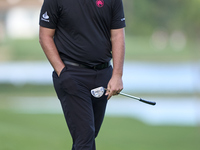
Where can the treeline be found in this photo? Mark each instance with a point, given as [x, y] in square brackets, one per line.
[144, 16]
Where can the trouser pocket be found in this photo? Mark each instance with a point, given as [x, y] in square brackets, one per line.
[64, 82]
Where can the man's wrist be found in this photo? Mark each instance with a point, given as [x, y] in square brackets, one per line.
[59, 70]
[117, 74]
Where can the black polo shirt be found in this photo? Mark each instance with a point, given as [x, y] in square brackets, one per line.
[83, 27]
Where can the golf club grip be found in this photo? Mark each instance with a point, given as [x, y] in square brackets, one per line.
[137, 98]
[147, 102]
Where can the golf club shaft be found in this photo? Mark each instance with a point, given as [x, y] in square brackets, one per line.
[137, 98]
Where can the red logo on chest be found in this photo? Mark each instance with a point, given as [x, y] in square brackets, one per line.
[99, 3]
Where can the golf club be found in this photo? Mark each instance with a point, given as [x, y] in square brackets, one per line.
[98, 92]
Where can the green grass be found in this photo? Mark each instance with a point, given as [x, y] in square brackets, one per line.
[21, 131]
[140, 49]
[49, 131]
[127, 133]
[26, 90]
[31, 132]
[23, 49]
[137, 49]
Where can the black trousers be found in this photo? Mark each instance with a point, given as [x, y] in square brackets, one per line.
[83, 113]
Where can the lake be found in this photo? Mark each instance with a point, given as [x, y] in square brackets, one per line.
[179, 78]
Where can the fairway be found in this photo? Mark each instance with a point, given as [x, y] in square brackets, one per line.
[26, 131]
[48, 131]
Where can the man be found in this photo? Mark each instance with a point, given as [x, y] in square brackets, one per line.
[79, 38]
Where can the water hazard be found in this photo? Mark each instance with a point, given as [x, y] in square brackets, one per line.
[138, 78]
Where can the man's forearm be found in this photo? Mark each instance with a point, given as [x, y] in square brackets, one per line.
[50, 50]
[115, 84]
[118, 51]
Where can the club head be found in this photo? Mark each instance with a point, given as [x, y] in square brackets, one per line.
[98, 92]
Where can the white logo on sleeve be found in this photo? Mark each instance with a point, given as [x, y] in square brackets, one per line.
[123, 19]
[45, 17]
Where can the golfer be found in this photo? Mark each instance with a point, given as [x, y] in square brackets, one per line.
[79, 38]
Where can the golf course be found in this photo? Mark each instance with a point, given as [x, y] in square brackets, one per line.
[20, 130]
[162, 64]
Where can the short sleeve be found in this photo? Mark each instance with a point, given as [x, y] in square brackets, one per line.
[49, 14]
[118, 19]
